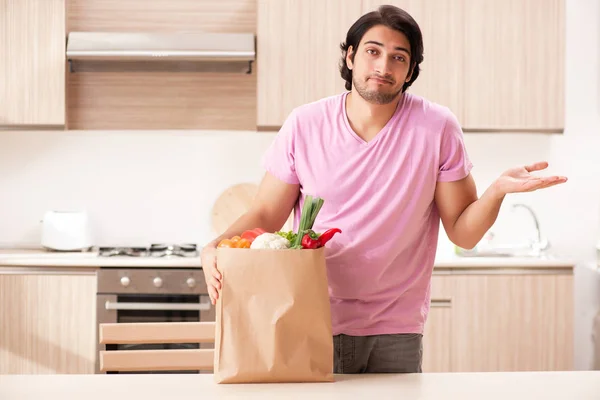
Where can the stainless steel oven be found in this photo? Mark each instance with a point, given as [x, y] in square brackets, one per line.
[152, 295]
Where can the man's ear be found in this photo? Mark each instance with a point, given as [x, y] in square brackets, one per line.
[349, 53]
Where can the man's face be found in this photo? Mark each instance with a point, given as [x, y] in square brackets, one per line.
[381, 64]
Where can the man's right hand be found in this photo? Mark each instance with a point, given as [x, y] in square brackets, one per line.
[212, 276]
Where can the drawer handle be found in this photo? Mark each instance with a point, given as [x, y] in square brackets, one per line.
[158, 306]
[439, 303]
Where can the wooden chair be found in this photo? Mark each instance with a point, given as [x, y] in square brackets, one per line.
[157, 360]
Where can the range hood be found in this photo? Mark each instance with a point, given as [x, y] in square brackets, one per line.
[165, 47]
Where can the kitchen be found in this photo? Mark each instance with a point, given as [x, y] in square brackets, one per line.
[147, 154]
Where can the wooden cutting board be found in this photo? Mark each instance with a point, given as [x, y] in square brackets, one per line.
[232, 204]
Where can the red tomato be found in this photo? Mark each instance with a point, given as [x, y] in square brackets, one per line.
[250, 235]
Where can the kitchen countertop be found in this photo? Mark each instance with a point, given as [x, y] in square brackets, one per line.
[580, 385]
[32, 257]
[45, 258]
[503, 262]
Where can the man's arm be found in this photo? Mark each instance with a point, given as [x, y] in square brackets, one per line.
[271, 208]
[467, 218]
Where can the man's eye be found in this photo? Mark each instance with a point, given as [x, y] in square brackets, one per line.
[400, 58]
[371, 51]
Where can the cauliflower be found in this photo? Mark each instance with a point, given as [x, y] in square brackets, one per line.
[270, 241]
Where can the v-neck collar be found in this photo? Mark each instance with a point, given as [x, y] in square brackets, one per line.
[383, 130]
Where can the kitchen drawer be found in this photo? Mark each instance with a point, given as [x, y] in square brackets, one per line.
[441, 288]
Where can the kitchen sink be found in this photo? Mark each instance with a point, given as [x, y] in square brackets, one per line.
[536, 248]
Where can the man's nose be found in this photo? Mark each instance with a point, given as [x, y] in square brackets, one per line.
[383, 66]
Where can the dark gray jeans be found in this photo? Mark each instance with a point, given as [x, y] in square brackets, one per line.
[397, 353]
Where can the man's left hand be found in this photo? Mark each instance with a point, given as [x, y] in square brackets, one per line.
[520, 179]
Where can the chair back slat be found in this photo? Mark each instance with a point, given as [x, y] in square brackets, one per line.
[159, 332]
[157, 360]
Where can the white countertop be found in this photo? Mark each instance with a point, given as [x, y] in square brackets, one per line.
[579, 385]
[43, 258]
[503, 262]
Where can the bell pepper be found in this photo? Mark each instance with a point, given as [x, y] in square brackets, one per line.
[243, 244]
[312, 242]
[327, 235]
[309, 243]
[226, 243]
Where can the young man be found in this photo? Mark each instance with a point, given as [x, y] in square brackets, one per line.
[389, 165]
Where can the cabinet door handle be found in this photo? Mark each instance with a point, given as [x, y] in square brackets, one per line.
[438, 303]
[157, 306]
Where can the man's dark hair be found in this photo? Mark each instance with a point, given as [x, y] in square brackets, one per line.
[394, 18]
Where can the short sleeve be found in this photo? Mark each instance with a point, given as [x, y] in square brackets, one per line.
[279, 159]
[454, 160]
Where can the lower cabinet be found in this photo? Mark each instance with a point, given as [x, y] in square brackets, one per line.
[47, 322]
[521, 321]
[437, 338]
[478, 322]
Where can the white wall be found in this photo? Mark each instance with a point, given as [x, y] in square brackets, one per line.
[142, 187]
[138, 187]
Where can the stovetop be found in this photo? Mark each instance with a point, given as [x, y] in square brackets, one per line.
[154, 250]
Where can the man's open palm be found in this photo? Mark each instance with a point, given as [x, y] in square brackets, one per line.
[520, 179]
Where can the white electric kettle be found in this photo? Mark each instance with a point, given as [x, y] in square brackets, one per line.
[66, 231]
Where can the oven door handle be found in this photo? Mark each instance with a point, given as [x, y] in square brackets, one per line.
[109, 305]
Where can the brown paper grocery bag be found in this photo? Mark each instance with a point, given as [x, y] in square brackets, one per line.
[273, 318]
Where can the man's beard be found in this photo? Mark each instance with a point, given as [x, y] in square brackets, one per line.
[374, 96]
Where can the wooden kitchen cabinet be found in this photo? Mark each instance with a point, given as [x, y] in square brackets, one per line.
[497, 64]
[48, 323]
[513, 323]
[488, 322]
[32, 63]
[298, 53]
[437, 334]
[437, 338]
[514, 64]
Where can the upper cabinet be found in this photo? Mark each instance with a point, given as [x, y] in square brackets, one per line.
[32, 63]
[298, 53]
[162, 94]
[497, 64]
[514, 56]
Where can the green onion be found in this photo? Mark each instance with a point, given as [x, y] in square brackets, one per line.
[310, 210]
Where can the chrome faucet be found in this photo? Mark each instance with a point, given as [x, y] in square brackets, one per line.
[541, 244]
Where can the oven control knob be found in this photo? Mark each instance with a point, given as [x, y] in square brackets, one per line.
[158, 282]
[191, 282]
[125, 281]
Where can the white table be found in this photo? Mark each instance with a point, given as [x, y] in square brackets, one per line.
[576, 385]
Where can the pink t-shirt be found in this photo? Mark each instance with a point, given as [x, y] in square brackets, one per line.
[381, 195]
